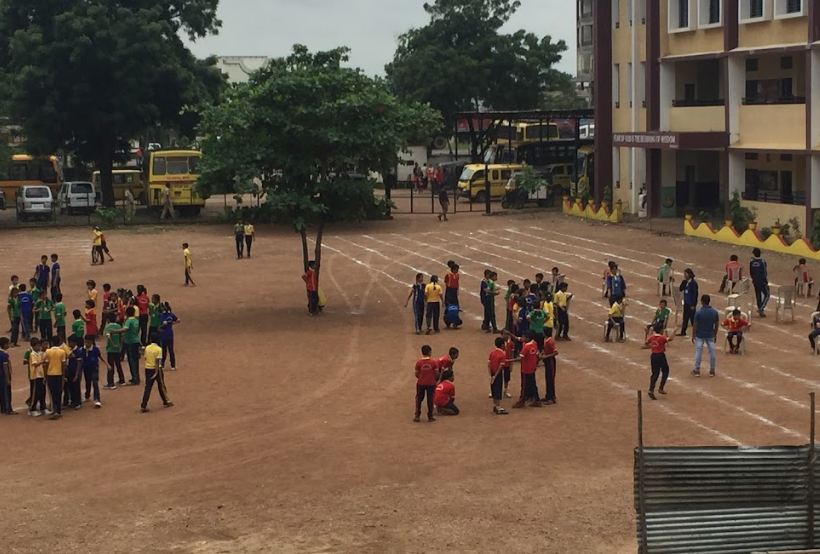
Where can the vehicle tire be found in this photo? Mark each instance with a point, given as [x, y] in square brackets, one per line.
[480, 197]
[505, 204]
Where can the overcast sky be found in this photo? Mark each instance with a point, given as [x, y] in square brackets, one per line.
[369, 27]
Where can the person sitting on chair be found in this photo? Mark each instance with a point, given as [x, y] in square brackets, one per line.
[734, 325]
[733, 273]
[661, 317]
[616, 317]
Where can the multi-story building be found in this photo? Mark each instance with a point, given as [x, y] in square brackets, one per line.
[239, 68]
[699, 99]
[584, 48]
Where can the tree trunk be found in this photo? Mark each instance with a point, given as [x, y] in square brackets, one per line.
[317, 253]
[106, 162]
[305, 260]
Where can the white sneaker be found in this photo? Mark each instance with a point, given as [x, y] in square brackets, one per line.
[48, 412]
[36, 414]
[173, 369]
[97, 404]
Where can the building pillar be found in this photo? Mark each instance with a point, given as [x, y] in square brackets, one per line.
[602, 45]
[654, 178]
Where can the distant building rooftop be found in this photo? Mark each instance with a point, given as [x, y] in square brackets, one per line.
[239, 68]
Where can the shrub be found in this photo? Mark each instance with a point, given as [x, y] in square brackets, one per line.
[740, 215]
[765, 232]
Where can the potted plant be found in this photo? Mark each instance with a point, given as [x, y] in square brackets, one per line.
[777, 227]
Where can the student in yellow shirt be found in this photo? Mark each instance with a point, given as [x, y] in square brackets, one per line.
[549, 308]
[96, 241]
[249, 236]
[189, 264]
[153, 372]
[616, 317]
[37, 379]
[432, 295]
[55, 361]
[561, 304]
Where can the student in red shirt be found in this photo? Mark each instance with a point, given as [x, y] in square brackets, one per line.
[451, 283]
[657, 342]
[312, 288]
[446, 362]
[497, 365]
[426, 379]
[445, 395]
[548, 355]
[734, 325]
[90, 319]
[142, 302]
[528, 357]
[733, 273]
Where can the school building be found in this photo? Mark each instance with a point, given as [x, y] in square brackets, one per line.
[698, 99]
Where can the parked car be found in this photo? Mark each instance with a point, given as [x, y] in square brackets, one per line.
[77, 196]
[34, 201]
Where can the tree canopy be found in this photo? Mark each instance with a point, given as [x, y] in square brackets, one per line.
[312, 131]
[84, 75]
[461, 61]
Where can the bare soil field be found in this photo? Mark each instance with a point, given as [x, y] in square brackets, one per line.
[294, 434]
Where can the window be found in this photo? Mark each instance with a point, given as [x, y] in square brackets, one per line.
[616, 166]
[629, 11]
[506, 174]
[159, 166]
[586, 8]
[789, 8]
[586, 35]
[751, 64]
[679, 15]
[786, 62]
[786, 157]
[629, 84]
[786, 89]
[793, 6]
[642, 84]
[616, 13]
[616, 85]
[494, 175]
[751, 156]
[709, 12]
[683, 13]
[754, 10]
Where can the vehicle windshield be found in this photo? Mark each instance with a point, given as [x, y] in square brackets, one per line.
[81, 188]
[39, 192]
[467, 174]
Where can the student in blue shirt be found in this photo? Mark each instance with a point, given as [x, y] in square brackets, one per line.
[74, 372]
[759, 272]
[704, 331]
[26, 310]
[166, 335]
[56, 277]
[417, 296]
[91, 370]
[41, 273]
[615, 285]
[689, 288]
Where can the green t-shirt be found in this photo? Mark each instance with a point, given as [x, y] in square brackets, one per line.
[35, 294]
[59, 314]
[14, 307]
[44, 307]
[154, 311]
[114, 341]
[78, 328]
[537, 320]
[132, 330]
[662, 314]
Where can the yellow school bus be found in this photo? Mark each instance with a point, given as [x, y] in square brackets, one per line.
[179, 169]
[123, 179]
[25, 170]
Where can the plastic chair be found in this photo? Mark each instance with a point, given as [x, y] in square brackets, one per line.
[785, 301]
[746, 329]
[741, 298]
[666, 285]
[803, 282]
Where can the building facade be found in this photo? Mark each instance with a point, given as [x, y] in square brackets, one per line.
[584, 48]
[699, 99]
[239, 68]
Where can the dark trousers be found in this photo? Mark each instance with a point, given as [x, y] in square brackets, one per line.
[168, 353]
[449, 409]
[132, 351]
[61, 332]
[55, 389]
[45, 329]
[733, 335]
[15, 330]
[497, 385]
[100, 253]
[563, 323]
[688, 317]
[529, 388]
[92, 380]
[549, 374]
[151, 376]
[25, 319]
[73, 385]
[761, 295]
[240, 245]
[433, 314]
[248, 244]
[613, 321]
[188, 279]
[114, 361]
[5, 394]
[659, 366]
[813, 337]
[55, 290]
[508, 323]
[489, 315]
[451, 296]
[418, 315]
[37, 393]
[143, 319]
[421, 392]
[539, 340]
[313, 301]
[547, 332]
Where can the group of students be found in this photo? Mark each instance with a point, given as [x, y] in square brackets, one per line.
[134, 325]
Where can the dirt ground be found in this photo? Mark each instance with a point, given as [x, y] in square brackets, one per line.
[294, 434]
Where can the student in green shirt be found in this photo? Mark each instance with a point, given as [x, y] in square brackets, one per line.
[34, 291]
[43, 308]
[59, 316]
[537, 319]
[661, 318]
[131, 332]
[78, 326]
[113, 350]
[14, 315]
[154, 314]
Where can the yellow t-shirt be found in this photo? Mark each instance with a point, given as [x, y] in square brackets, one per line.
[561, 299]
[35, 371]
[67, 349]
[98, 238]
[433, 292]
[249, 230]
[616, 310]
[55, 357]
[153, 354]
[92, 295]
[188, 261]
[550, 311]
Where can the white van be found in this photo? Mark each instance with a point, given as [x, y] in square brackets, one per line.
[34, 200]
[77, 196]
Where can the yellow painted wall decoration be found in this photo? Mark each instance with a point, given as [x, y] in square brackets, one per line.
[574, 207]
[751, 237]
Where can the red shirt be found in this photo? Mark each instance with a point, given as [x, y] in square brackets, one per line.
[735, 325]
[498, 359]
[549, 346]
[445, 391]
[106, 295]
[529, 357]
[142, 303]
[444, 363]
[657, 343]
[451, 280]
[733, 270]
[91, 322]
[426, 372]
[310, 280]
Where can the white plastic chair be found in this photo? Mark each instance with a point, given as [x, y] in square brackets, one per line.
[803, 280]
[666, 284]
[785, 301]
[741, 298]
[743, 315]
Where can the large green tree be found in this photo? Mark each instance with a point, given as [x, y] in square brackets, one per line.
[311, 130]
[85, 75]
[461, 60]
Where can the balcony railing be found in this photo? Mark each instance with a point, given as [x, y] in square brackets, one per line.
[756, 101]
[796, 198]
[697, 103]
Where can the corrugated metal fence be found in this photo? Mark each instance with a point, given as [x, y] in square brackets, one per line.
[725, 499]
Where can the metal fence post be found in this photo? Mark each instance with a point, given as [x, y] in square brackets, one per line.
[388, 190]
[810, 481]
[412, 192]
[643, 547]
[487, 209]
[432, 199]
